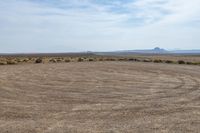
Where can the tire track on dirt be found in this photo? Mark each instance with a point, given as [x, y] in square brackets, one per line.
[123, 96]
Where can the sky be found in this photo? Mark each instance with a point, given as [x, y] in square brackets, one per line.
[98, 25]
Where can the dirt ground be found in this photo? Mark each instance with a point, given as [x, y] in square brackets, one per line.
[100, 97]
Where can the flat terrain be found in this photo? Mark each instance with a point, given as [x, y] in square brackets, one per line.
[98, 97]
[175, 57]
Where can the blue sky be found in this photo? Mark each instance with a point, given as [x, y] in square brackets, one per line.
[98, 25]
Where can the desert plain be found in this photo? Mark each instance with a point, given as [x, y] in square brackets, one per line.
[100, 97]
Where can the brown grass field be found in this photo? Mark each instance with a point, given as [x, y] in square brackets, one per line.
[100, 97]
[88, 57]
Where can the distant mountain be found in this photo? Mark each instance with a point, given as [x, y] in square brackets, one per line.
[156, 50]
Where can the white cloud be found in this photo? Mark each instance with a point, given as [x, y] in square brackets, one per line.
[167, 11]
[78, 25]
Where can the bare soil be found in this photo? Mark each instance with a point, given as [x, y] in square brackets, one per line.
[100, 97]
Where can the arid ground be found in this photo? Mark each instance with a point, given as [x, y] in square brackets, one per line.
[100, 97]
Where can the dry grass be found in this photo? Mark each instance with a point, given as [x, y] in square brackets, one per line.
[169, 59]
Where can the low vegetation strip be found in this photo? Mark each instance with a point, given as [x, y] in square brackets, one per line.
[61, 59]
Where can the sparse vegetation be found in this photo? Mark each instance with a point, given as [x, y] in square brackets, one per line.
[67, 60]
[26, 60]
[91, 59]
[122, 59]
[3, 63]
[189, 60]
[189, 63]
[101, 59]
[11, 62]
[157, 61]
[169, 62]
[38, 60]
[181, 62]
[110, 59]
[131, 59]
[147, 60]
[53, 60]
[80, 59]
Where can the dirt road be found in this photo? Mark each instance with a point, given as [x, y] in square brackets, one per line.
[98, 97]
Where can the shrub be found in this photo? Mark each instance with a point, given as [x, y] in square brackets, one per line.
[80, 59]
[100, 59]
[147, 60]
[181, 62]
[110, 59]
[67, 60]
[3, 63]
[134, 59]
[169, 61]
[193, 63]
[189, 63]
[91, 59]
[11, 62]
[59, 60]
[121, 59]
[38, 60]
[53, 60]
[157, 61]
[26, 60]
[131, 59]
[18, 60]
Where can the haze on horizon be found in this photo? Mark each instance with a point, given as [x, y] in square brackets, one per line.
[98, 25]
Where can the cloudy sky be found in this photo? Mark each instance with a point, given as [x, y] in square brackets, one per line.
[98, 25]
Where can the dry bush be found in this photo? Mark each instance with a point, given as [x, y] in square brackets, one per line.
[122, 59]
[131, 59]
[91, 59]
[157, 61]
[193, 63]
[18, 60]
[110, 59]
[181, 62]
[59, 59]
[80, 60]
[26, 60]
[134, 59]
[32, 59]
[100, 59]
[67, 60]
[11, 62]
[53, 60]
[147, 60]
[38, 60]
[189, 63]
[3, 63]
[169, 61]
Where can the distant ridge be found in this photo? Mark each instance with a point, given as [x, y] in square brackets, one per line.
[156, 50]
